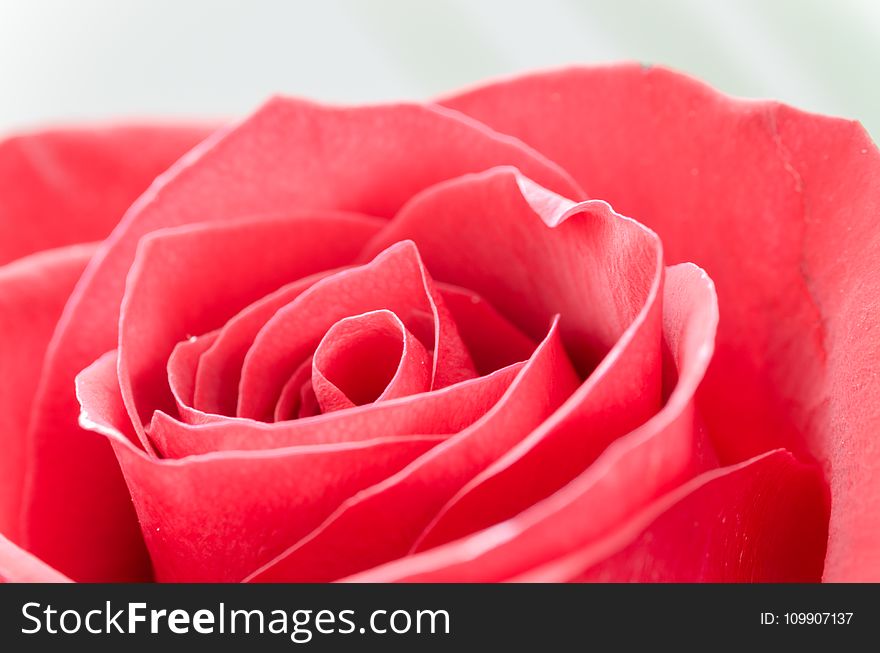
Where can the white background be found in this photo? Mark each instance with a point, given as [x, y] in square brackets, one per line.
[69, 60]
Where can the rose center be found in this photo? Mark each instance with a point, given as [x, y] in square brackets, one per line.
[367, 358]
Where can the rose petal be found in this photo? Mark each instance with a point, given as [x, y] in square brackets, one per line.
[288, 154]
[633, 472]
[526, 253]
[182, 365]
[539, 253]
[70, 186]
[33, 290]
[216, 517]
[383, 522]
[219, 369]
[493, 342]
[293, 400]
[780, 207]
[19, 566]
[192, 279]
[368, 358]
[764, 520]
[443, 411]
[308, 402]
[396, 280]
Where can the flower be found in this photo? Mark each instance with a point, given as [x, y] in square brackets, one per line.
[592, 324]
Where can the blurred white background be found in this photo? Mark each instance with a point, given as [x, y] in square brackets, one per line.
[66, 60]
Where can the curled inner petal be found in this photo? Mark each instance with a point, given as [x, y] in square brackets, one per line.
[293, 400]
[395, 280]
[368, 358]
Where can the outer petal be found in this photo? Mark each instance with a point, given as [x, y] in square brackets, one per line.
[33, 290]
[289, 154]
[632, 473]
[764, 520]
[218, 516]
[71, 186]
[19, 566]
[780, 208]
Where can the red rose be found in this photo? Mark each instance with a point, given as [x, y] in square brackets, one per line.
[416, 342]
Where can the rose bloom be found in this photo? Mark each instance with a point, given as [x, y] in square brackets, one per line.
[597, 324]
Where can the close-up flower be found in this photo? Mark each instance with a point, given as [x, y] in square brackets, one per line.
[598, 323]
